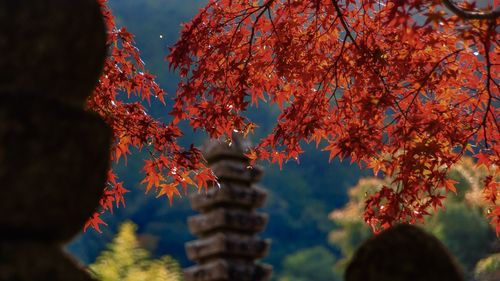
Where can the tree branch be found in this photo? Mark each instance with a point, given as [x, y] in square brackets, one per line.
[470, 14]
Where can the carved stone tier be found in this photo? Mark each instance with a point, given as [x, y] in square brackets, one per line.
[224, 269]
[229, 194]
[51, 48]
[47, 153]
[222, 219]
[232, 170]
[228, 223]
[223, 245]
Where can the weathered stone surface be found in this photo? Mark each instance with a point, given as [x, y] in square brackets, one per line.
[214, 151]
[20, 261]
[53, 164]
[228, 169]
[227, 219]
[52, 48]
[228, 270]
[229, 194]
[53, 154]
[226, 245]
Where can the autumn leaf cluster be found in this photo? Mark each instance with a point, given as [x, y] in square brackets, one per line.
[405, 88]
[122, 93]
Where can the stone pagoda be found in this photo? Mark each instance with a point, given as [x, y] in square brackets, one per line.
[227, 248]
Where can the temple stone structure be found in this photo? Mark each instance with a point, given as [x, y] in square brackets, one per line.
[54, 155]
[227, 248]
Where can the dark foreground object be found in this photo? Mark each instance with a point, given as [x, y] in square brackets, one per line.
[53, 154]
[403, 253]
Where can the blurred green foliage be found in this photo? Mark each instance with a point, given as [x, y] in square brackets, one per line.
[461, 225]
[125, 260]
[314, 263]
[488, 269]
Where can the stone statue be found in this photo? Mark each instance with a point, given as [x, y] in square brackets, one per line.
[53, 154]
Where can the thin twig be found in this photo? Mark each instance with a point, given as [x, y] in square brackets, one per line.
[470, 14]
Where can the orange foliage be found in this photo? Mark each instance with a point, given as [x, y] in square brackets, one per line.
[405, 88]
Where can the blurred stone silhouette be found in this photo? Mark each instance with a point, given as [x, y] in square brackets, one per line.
[403, 253]
[227, 248]
[488, 268]
[53, 154]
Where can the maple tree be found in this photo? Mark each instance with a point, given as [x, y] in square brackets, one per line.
[405, 88]
[169, 165]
